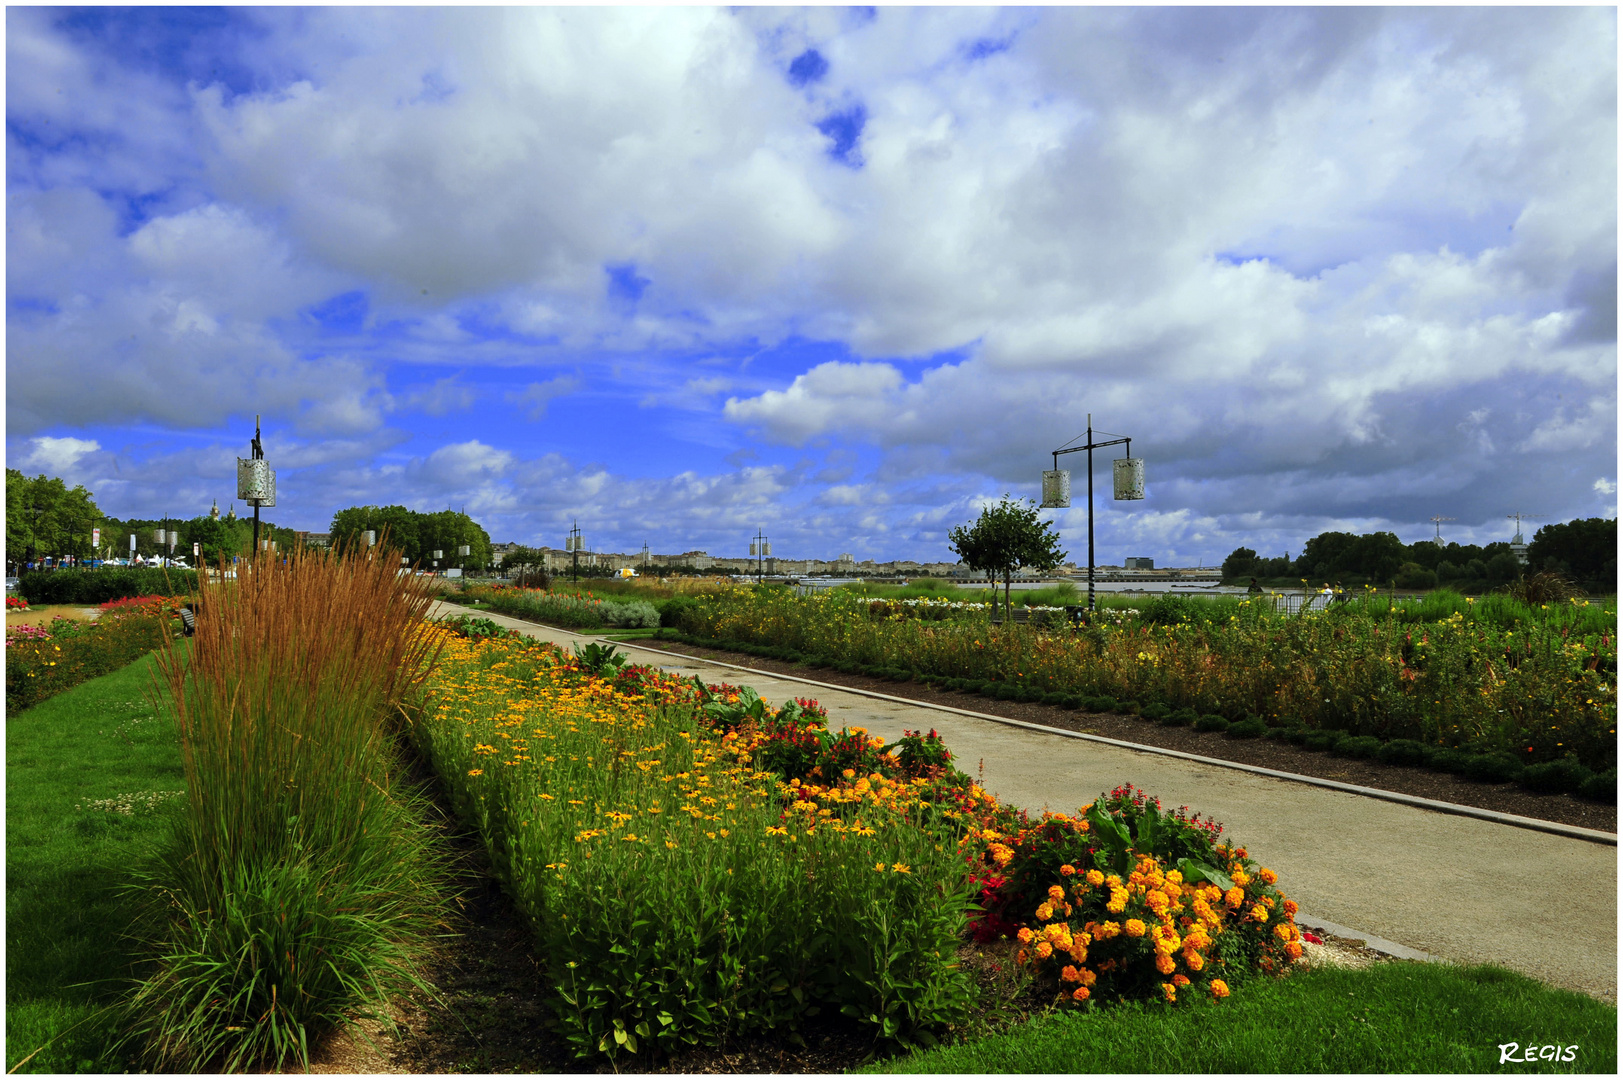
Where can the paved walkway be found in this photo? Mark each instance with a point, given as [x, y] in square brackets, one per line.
[1455, 887]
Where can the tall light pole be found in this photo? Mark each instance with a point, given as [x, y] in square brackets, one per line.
[761, 548]
[573, 544]
[1129, 483]
[256, 481]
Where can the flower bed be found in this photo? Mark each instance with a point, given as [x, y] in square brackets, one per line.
[697, 864]
[42, 661]
[580, 610]
[1539, 692]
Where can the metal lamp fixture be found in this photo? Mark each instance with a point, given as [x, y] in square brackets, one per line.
[256, 480]
[1128, 483]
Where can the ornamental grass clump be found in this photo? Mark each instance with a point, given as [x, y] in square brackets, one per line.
[679, 892]
[301, 882]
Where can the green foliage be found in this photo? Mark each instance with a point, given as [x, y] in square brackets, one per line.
[599, 659]
[89, 587]
[1583, 549]
[1008, 536]
[45, 518]
[417, 535]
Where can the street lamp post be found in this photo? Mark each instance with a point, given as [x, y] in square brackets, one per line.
[760, 547]
[256, 481]
[1129, 484]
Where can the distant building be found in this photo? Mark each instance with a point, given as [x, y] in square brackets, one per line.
[1139, 563]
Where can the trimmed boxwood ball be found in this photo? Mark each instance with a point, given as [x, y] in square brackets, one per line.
[1492, 768]
[1360, 747]
[1071, 701]
[1156, 712]
[1249, 728]
[1179, 718]
[1006, 692]
[1054, 698]
[845, 667]
[791, 657]
[1555, 777]
[1602, 787]
[1446, 759]
[902, 674]
[1212, 722]
[1401, 752]
[1297, 736]
[1321, 740]
[984, 687]
[1278, 733]
[1107, 703]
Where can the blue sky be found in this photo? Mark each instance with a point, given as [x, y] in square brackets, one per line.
[839, 274]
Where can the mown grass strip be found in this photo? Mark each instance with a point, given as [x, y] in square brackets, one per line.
[1390, 1018]
[72, 832]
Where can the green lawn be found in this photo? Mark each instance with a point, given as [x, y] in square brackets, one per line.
[66, 860]
[1390, 1018]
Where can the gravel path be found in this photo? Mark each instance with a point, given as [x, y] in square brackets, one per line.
[1455, 887]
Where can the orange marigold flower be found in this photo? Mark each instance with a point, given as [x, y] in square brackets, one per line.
[1025, 935]
[1134, 928]
[1055, 893]
[1044, 950]
[1067, 870]
[1234, 897]
[1290, 908]
[1267, 875]
[1293, 949]
[1220, 989]
[1069, 974]
[1170, 991]
[1193, 960]
[1180, 980]
[1163, 963]
[1080, 993]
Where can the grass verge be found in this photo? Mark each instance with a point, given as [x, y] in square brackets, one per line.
[91, 776]
[1390, 1018]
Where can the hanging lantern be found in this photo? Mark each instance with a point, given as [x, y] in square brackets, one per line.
[158, 537]
[256, 482]
[371, 536]
[438, 554]
[766, 549]
[1129, 478]
[464, 551]
[753, 551]
[1056, 488]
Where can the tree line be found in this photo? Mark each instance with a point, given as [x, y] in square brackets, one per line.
[47, 521]
[1583, 550]
[417, 535]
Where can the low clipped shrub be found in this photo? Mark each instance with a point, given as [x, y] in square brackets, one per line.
[1054, 698]
[1212, 722]
[1492, 768]
[1359, 747]
[1006, 692]
[1556, 777]
[1401, 752]
[1446, 759]
[1180, 717]
[1297, 736]
[1602, 787]
[1251, 727]
[1321, 740]
[1279, 733]
[1156, 712]
[1070, 701]
[672, 610]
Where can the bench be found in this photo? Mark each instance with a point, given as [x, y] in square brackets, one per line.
[1019, 615]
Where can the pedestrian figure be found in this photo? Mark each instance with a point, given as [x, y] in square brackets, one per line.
[1255, 589]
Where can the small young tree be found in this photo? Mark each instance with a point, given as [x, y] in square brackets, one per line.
[1008, 536]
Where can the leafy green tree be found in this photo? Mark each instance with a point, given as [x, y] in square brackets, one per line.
[1241, 563]
[1008, 536]
[47, 518]
[217, 539]
[1584, 549]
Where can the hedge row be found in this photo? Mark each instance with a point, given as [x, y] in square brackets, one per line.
[101, 585]
[1563, 776]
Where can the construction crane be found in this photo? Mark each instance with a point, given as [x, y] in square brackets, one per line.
[1437, 522]
[1518, 517]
